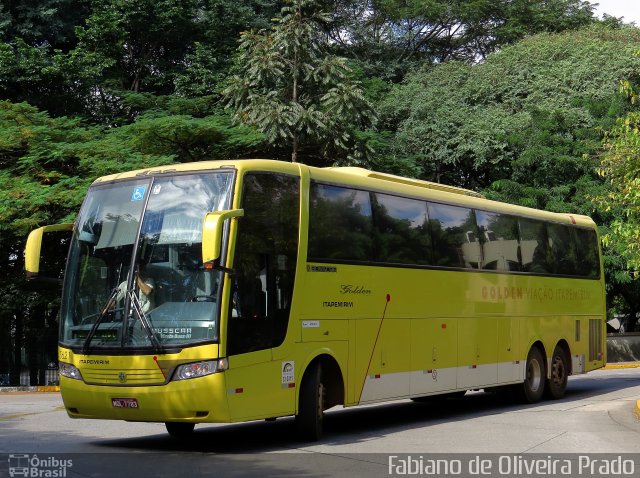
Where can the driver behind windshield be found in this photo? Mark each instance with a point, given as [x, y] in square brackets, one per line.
[145, 285]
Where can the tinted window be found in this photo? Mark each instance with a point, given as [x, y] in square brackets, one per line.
[402, 230]
[563, 249]
[264, 263]
[340, 224]
[588, 253]
[454, 235]
[499, 239]
[534, 246]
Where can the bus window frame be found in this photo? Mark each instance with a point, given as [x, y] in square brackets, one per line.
[318, 260]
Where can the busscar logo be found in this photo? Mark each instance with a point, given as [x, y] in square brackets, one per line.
[34, 466]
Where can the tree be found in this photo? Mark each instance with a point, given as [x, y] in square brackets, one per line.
[43, 22]
[620, 166]
[46, 165]
[526, 116]
[290, 89]
[389, 37]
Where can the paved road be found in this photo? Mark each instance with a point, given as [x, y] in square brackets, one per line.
[596, 416]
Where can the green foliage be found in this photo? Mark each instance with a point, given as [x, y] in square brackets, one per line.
[46, 164]
[188, 138]
[33, 74]
[42, 22]
[528, 114]
[291, 90]
[389, 37]
[620, 165]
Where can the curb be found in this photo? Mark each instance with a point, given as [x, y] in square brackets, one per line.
[41, 388]
[613, 366]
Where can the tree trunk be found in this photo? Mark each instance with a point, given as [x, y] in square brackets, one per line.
[17, 350]
[294, 149]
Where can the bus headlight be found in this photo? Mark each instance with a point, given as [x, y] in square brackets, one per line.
[200, 369]
[69, 371]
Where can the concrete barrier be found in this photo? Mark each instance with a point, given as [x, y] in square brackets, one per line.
[623, 348]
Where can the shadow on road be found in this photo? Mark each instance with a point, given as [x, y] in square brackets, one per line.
[357, 425]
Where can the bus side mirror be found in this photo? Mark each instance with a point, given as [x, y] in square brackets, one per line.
[212, 233]
[46, 252]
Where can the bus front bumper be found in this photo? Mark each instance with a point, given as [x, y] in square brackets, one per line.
[201, 399]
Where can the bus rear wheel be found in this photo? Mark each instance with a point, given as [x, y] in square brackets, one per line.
[179, 429]
[311, 405]
[533, 386]
[559, 373]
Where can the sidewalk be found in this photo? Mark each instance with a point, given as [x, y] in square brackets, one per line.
[22, 388]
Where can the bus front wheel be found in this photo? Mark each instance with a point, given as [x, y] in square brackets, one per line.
[559, 373]
[179, 429]
[533, 386]
[311, 405]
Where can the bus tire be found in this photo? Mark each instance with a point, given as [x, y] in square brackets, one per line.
[534, 380]
[558, 374]
[179, 429]
[311, 405]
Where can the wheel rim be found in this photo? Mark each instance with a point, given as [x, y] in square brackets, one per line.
[558, 372]
[534, 375]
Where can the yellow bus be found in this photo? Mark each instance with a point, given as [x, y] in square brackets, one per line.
[229, 291]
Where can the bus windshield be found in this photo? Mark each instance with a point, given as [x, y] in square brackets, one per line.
[135, 277]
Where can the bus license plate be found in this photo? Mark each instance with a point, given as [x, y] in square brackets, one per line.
[124, 402]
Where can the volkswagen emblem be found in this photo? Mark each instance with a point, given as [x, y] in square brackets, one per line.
[122, 376]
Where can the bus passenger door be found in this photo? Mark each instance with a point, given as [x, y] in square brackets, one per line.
[261, 292]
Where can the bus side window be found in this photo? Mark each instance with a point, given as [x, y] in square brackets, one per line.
[499, 239]
[455, 236]
[534, 246]
[340, 224]
[588, 253]
[264, 263]
[401, 230]
[563, 249]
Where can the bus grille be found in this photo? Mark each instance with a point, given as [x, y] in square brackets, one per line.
[595, 339]
[130, 377]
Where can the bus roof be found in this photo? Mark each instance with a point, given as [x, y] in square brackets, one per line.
[365, 179]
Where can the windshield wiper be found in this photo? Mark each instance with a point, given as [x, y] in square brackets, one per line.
[111, 301]
[144, 320]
